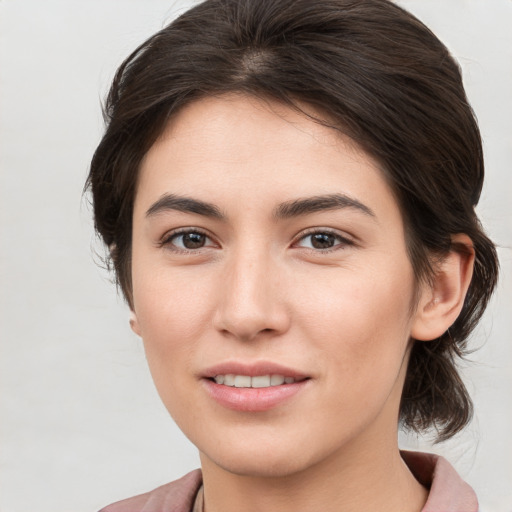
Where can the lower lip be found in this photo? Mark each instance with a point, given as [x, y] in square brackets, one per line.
[252, 399]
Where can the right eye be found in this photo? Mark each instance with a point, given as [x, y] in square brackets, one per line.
[188, 240]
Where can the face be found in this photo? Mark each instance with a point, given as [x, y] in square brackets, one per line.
[269, 252]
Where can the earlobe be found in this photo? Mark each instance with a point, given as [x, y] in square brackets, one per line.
[441, 303]
[134, 323]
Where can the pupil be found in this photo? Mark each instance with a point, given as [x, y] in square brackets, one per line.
[193, 240]
[322, 240]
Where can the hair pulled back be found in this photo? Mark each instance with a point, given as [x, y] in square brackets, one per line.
[377, 75]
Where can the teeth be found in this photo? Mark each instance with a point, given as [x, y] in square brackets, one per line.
[229, 380]
[276, 380]
[242, 381]
[262, 381]
[259, 381]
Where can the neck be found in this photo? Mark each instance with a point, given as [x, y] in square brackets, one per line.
[359, 479]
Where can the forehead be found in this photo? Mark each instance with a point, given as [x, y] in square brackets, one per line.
[248, 122]
[241, 147]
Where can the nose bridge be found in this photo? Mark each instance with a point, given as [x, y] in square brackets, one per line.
[250, 299]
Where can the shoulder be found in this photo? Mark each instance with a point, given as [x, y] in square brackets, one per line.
[177, 496]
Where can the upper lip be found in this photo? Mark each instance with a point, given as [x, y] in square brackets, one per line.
[252, 369]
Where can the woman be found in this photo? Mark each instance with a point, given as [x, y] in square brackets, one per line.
[287, 190]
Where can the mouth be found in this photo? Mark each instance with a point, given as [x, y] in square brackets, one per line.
[253, 387]
[257, 381]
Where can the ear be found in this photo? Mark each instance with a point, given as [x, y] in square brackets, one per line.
[134, 323]
[441, 303]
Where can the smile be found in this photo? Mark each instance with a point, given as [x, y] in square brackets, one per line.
[258, 381]
[253, 386]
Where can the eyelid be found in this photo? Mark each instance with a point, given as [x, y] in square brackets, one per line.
[344, 238]
[165, 240]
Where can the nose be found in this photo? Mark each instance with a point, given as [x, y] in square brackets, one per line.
[252, 302]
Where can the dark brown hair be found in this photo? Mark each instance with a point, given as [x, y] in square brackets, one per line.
[376, 74]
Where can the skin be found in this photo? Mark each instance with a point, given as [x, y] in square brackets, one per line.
[259, 290]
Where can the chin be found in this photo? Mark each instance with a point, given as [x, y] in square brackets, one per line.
[276, 460]
[262, 467]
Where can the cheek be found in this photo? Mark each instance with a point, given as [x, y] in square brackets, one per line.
[173, 310]
[169, 297]
[361, 320]
[172, 315]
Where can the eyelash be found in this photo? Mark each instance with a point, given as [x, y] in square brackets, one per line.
[343, 242]
[168, 238]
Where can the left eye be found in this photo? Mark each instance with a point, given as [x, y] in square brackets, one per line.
[322, 240]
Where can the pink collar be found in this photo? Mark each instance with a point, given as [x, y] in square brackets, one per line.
[448, 492]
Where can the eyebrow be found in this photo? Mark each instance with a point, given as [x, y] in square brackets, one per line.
[315, 204]
[286, 210]
[184, 204]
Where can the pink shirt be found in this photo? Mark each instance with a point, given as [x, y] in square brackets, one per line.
[448, 492]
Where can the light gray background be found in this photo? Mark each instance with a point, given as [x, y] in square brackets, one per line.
[81, 425]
